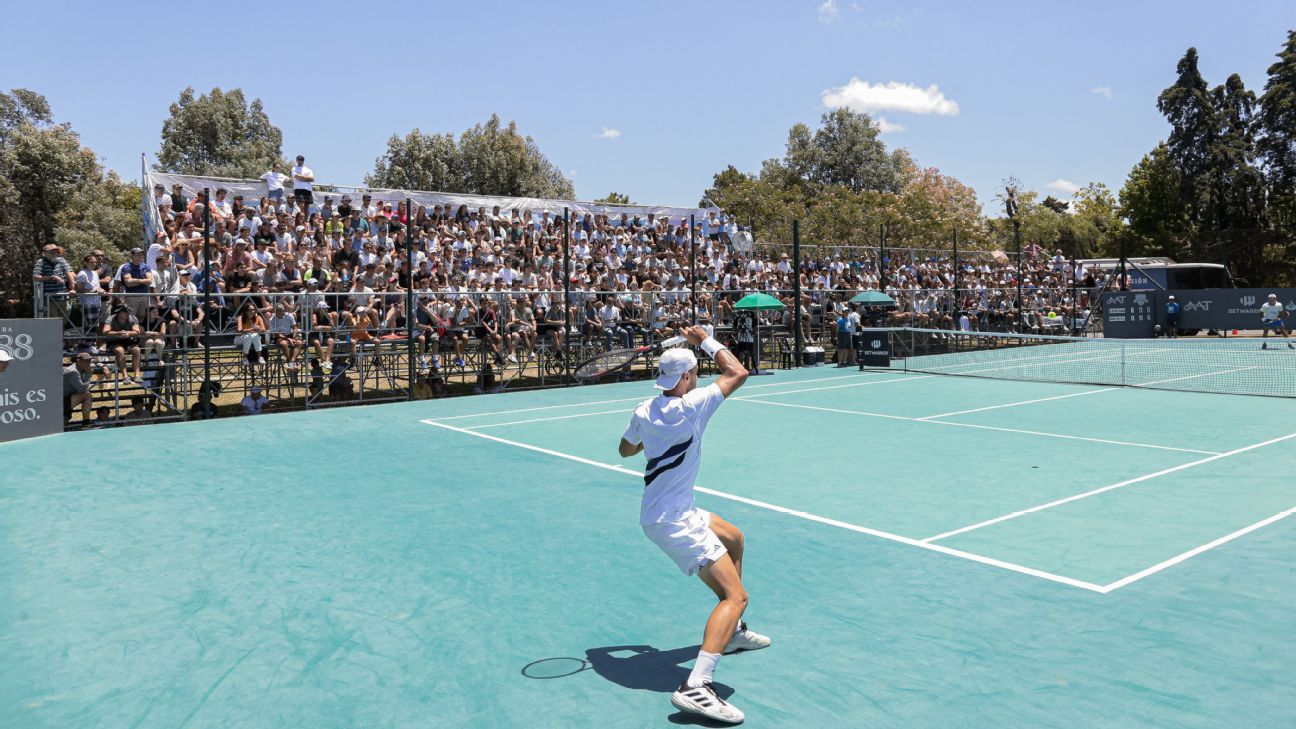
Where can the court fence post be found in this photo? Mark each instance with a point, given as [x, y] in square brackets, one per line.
[797, 343]
[207, 287]
[957, 309]
[409, 295]
[693, 266]
[567, 272]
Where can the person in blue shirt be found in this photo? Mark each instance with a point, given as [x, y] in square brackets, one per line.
[1172, 317]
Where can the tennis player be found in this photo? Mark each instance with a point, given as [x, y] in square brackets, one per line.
[668, 430]
[1271, 316]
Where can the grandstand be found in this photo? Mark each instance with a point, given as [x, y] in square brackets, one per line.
[309, 301]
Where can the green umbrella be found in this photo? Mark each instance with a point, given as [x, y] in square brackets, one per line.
[873, 298]
[759, 302]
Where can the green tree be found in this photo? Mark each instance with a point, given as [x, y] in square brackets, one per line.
[845, 150]
[53, 190]
[1150, 200]
[488, 159]
[497, 160]
[1276, 149]
[419, 161]
[218, 134]
[614, 198]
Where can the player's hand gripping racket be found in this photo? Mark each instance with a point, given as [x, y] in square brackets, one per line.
[617, 360]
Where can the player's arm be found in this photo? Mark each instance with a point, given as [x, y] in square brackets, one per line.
[628, 449]
[732, 373]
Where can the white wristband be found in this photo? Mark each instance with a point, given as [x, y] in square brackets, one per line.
[711, 346]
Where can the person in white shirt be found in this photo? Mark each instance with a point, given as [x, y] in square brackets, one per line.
[254, 403]
[668, 430]
[90, 293]
[302, 177]
[283, 332]
[274, 180]
[1271, 317]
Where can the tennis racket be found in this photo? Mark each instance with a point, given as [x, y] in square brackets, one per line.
[617, 360]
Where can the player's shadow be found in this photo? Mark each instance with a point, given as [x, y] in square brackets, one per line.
[644, 668]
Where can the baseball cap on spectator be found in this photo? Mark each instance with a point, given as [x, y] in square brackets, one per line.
[321, 305]
[134, 250]
[672, 366]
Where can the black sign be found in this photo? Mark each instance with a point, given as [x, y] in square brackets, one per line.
[1129, 314]
[874, 348]
[31, 378]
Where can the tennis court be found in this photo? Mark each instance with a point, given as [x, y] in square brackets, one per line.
[924, 551]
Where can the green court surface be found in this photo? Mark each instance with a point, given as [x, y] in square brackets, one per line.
[924, 551]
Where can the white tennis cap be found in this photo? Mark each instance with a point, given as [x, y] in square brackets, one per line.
[672, 366]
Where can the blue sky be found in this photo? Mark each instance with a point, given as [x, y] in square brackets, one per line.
[1053, 92]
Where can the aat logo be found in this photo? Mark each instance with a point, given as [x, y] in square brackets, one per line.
[1197, 306]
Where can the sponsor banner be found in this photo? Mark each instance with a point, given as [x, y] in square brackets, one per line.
[31, 380]
[1218, 309]
[874, 347]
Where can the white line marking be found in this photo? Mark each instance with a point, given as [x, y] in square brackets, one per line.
[837, 387]
[1204, 374]
[646, 395]
[1196, 551]
[545, 420]
[1104, 489]
[801, 514]
[1022, 402]
[981, 427]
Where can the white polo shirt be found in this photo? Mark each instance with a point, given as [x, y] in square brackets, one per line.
[670, 429]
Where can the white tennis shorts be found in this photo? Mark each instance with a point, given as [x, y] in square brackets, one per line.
[688, 540]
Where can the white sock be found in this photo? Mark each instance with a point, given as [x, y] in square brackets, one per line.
[703, 668]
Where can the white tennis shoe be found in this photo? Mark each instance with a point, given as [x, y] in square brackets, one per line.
[746, 640]
[704, 701]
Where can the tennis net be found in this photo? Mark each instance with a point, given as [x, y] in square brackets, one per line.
[1237, 366]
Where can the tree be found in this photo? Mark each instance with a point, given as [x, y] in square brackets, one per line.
[1159, 221]
[488, 159]
[220, 135]
[419, 161]
[614, 198]
[53, 190]
[846, 150]
[1276, 149]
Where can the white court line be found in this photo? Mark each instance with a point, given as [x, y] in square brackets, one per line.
[800, 514]
[1196, 551]
[1022, 402]
[837, 387]
[626, 411]
[978, 426]
[1204, 374]
[1104, 489]
[624, 399]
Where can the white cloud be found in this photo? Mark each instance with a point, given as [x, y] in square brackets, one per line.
[828, 12]
[608, 133]
[885, 126]
[892, 96]
[1103, 91]
[1062, 185]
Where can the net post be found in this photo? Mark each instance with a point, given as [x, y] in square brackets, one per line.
[797, 342]
[409, 295]
[693, 266]
[562, 351]
[207, 287]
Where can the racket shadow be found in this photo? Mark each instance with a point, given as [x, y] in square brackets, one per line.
[644, 668]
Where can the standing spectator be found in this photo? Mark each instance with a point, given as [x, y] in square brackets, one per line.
[136, 281]
[274, 180]
[1172, 317]
[76, 385]
[53, 278]
[90, 293]
[121, 334]
[254, 403]
[302, 177]
[745, 334]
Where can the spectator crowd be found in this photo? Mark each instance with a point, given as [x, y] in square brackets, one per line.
[307, 274]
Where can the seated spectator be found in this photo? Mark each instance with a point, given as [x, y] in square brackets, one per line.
[251, 329]
[77, 379]
[121, 334]
[253, 403]
[283, 332]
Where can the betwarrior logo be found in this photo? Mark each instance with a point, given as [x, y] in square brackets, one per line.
[18, 347]
[1247, 300]
[876, 344]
